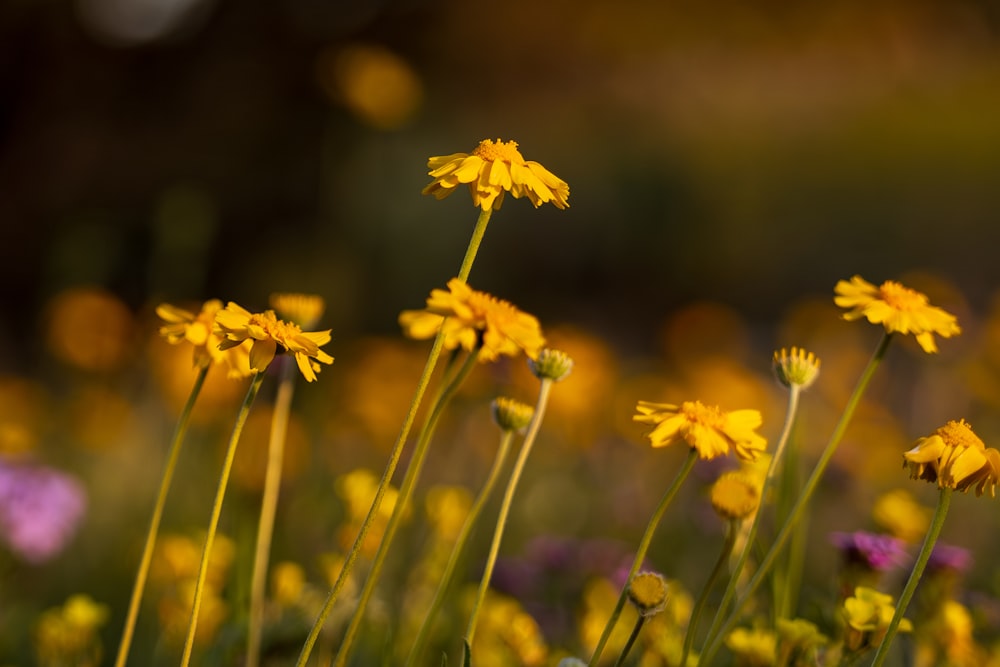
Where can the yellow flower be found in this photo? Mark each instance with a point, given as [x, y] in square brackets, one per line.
[955, 457]
[899, 514]
[753, 648]
[648, 591]
[897, 308]
[302, 309]
[735, 495]
[68, 635]
[705, 428]
[198, 330]
[796, 367]
[868, 614]
[492, 169]
[236, 325]
[468, 316]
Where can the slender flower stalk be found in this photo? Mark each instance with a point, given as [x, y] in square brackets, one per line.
[180, 430]
[944, 500]
[506, 438]
[406, 489]
[720, 628]
[640, 555]
[268, 510]
[213, 524]
[395, 454]
[630, 642]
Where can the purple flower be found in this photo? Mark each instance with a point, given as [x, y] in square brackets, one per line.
[871, 550]
[948, 557]
[40, 509]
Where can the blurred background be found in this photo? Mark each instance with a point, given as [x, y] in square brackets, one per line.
[728, 163]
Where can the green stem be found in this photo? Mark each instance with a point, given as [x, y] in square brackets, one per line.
[944, 500]
[717, 633]
[402, 502]
[397, 450]
[213, 524]
[506, 438]
[769, 482]
[268, 509]
[732, 533]
[508, 497]
[631, 640]
[640, 555]
[180, 430]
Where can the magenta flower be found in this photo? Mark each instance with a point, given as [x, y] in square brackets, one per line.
[871, 550]
[40, 510]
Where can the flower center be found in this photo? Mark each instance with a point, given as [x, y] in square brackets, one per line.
[698, 413]
[493, 151]
[959, 434]
[901, 298]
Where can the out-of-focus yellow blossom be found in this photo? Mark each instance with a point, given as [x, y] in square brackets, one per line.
[22, 406]
[90, 328]
[599, 599]
[954, 457]
[178, 557]
[946, 639]
[707, 429]
[752, 648]
[175, 613]
[305, 310]
[492, 169]
[897, 308]
[798, 641]
[506, 635]
[236, 324]
[648, 592]
[357, 489]
[868, 614]
[69, 635]
[796, 367]
[288, 580]
[377, 85]
[199, 330]
[447, 507]
[899, 514]
[468, 317]
[735, 495]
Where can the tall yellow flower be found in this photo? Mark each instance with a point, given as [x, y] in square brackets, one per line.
[198, 330]
[897, 308]
[236, 325]
[467, 315]
[492, 169]
[707, 429]
[954, 457]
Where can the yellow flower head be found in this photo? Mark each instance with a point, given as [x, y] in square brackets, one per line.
[648, 591]
[735, 495]
[304, 310]
[705, 428]
[897, 308]
[198, 330]
[955, 457]
[492, 169]
[899, 514]
[753, 648]
[868, 614]
[796, 367]
[469, 317]
[511, 415]
[236, 325]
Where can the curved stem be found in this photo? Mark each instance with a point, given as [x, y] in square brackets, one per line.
[397, 450]
[640, 555]
[716, 634]
[180, 430]
[732, 533]
[769, 482]
[508, 497]
[402, 502]
[944, 500]
[631, 640]
[269, 508]
[506, 438]
[213, 524]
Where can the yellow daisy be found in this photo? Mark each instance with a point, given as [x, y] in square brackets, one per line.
[492, 169]
[184, 326]
[954, 456]
[708, 429]
[236, 324]
[897, 308]
[468, 316]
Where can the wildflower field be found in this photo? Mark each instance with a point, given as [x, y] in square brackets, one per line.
[502, 397]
